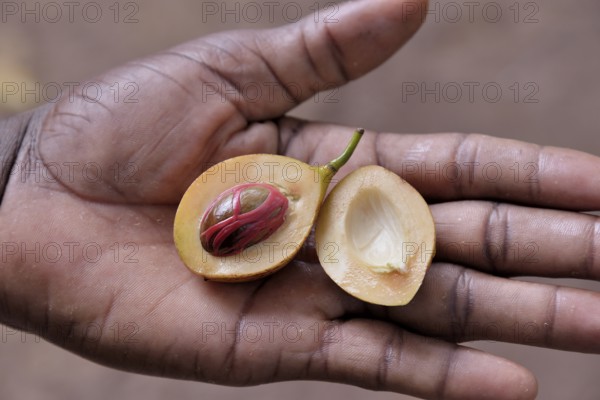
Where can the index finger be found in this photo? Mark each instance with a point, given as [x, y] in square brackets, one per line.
[454, 166]
[472, 166]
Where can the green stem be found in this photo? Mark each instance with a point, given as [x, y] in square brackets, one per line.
[329, 170]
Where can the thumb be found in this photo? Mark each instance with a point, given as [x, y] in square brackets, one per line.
[287, 65]
[197, 103]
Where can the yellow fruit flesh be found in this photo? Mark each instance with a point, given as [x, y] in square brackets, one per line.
[376, 237]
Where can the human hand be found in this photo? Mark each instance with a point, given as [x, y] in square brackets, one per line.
[155, 317]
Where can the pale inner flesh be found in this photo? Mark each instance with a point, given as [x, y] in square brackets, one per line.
[373, 225]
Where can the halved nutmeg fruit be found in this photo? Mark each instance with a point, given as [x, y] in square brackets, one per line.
[248, 216]
[376, 237]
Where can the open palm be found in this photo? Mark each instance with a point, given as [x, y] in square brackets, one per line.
[92, 265]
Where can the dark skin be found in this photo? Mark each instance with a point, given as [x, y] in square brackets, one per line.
[175, 324]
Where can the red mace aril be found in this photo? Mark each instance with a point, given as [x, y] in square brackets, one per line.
[242, 216]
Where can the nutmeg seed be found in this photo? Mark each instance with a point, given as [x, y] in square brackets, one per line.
[242, 216]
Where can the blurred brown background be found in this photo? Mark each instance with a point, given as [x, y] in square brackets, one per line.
[533, 68]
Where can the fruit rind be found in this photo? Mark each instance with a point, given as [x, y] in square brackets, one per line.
[347, 265]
